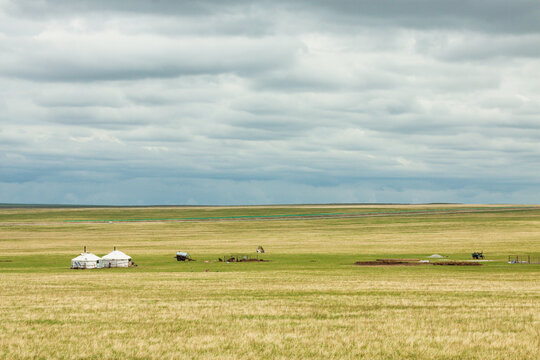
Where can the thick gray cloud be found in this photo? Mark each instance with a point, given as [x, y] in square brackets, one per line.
[211, 102]
[493, 15]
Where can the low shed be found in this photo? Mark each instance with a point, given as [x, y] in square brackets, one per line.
[182, 256]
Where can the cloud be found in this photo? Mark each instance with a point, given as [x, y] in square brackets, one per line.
[480, 47]
[64, 56]
[494, 15]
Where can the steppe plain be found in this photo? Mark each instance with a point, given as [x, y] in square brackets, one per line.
[307, 302]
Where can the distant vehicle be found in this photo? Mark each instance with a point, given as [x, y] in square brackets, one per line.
[478, 255]
[183, 256]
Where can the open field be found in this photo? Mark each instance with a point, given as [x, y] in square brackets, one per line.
[308, 301]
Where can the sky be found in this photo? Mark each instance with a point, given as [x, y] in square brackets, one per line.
[269, 102]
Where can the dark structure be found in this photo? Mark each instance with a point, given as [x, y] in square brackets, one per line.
[478, 255]
[241, 258]
[183, 256]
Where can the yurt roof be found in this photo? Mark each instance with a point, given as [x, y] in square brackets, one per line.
[116, 255]
[86, 257]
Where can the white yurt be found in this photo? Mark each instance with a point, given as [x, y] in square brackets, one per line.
[86, 261]
[116, 258]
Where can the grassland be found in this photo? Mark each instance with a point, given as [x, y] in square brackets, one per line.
[307, 302]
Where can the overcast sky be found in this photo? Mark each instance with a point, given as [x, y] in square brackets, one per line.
[264, 102]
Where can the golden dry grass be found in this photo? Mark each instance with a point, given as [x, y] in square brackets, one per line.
[270, 315]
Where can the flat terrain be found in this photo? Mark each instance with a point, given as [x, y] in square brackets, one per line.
[308, 302]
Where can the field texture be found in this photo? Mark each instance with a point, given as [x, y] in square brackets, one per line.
[307, 302]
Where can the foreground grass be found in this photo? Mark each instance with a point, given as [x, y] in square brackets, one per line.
[397, 314]
[307, 302]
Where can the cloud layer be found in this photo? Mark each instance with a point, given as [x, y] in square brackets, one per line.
[267, 102]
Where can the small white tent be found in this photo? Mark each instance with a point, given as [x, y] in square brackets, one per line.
[86, 261]
[116, 259]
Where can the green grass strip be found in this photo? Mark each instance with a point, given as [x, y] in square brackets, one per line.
[448, 211]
